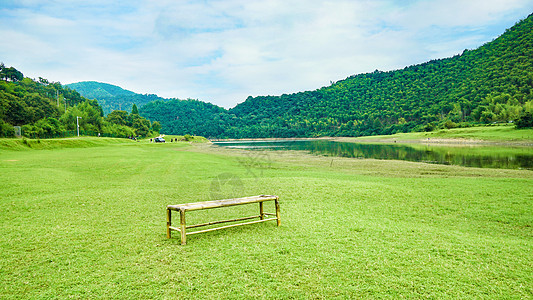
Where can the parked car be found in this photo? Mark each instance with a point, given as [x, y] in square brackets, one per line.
[159, 140]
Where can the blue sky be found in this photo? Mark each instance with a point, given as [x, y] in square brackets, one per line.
[224, 51]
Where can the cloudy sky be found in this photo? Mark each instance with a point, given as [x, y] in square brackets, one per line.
[224, 51]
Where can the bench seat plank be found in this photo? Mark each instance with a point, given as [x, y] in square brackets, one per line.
[221, 203]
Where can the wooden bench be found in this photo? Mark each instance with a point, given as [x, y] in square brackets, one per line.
[182, 208]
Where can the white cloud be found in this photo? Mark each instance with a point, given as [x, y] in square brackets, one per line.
[223, 51]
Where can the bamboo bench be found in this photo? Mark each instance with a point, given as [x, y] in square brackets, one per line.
[182, 208]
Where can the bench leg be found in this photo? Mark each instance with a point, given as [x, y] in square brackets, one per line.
[277, 211]
[261, 212]
[182, 225]
[169, 222]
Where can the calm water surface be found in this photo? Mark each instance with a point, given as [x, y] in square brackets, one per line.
[468, 156]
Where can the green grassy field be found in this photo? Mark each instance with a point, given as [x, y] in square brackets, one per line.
[89, 222]
[497, 133]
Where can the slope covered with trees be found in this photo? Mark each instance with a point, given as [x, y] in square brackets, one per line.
[189, 117]
[111, 97]
[47, 109]
[493, 83]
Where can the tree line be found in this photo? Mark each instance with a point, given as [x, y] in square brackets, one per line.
[47, 109]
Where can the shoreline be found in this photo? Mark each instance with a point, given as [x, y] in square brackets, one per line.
[391, 140]
[440, 141]
[272, 139]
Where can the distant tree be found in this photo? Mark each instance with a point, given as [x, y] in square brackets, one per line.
[487, 117]
[119, 117]
[118, 130]
[429, 127]
[134, 110]
[92, 118]
[141, 126]
[44, 128]
[525, 121]
[156, 126]
[6, 130]
[449, 124]
[10, 74]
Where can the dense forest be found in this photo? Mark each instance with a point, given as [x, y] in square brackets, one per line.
[111, 97]
[493, 83]
[189, 116]
[46, 109]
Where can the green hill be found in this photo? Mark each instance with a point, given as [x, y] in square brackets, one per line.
[93, 89]
[493, 83]
[189, 117]
[112, 97]
[490, 84]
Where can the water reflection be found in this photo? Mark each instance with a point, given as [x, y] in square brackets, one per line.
[469, 156]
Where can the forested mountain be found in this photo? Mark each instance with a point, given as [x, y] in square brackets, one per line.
[112, 97]
[189, 116]
[47, 109]
[490, 84]
[493, 83]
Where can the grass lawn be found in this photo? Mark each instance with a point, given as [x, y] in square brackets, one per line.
[89, 222]
[495, 133]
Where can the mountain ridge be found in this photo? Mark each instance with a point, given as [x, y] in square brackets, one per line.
[94, 88]
[112, 97]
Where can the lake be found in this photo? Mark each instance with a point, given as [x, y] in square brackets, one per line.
[468, 156]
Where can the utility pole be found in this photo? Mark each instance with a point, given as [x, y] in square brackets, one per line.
[78, 124]
[57, 97]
